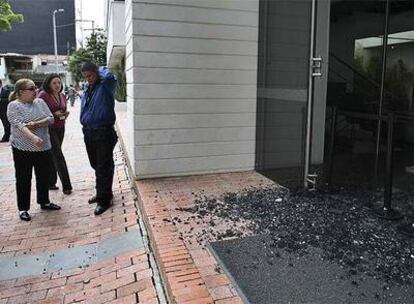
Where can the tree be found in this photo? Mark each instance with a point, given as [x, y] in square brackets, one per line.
[7, 16]
[96, 44]
[95, 51]
[359, 58]
[75, 61]
[119, 72]
[399, 82]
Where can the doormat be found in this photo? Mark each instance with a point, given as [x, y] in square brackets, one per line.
[263, 273]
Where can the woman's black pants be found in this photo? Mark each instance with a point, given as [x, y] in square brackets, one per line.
[58, 159]
[24, 162]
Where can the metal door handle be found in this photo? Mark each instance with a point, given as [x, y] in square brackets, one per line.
[317, 67]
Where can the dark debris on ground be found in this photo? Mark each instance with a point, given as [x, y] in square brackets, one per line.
[338, 222]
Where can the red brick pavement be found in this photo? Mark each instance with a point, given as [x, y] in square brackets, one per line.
[123, 279]
[191, 273]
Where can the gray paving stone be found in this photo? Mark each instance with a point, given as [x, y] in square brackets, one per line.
[16, 267]
[70, 258]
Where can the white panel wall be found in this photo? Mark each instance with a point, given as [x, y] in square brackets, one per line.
[130, 80]
[192, 82]
[115, 32]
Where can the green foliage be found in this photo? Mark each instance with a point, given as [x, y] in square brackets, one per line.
[399, 80]
[7, 16]
[96, 45]
[374, 68]
[75, 62]
[369, 67]
[95, 51]
[120, 93]
[359, 58]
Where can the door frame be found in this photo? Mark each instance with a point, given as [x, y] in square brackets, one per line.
[317, 88]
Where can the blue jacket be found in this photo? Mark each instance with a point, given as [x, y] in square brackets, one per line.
[100, 111]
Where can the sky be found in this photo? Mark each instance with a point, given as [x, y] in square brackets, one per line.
[89, 10]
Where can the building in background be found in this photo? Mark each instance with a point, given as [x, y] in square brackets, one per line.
[35, 35]
[33, 40]
[15, 66]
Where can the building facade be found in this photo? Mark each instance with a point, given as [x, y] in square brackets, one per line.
[15, 66]
[217, 86]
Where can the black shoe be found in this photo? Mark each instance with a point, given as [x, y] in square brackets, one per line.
[5, 140]
[67, 191]
[50, 206]
[53, 187]
[24, 216]
[101, 208]
[92, 200]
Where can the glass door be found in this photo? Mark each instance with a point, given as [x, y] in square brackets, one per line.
[354, 88]
[399, 91]
[284, 46]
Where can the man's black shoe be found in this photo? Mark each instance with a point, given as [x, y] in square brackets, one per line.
[92, 200]
[53, 187]
[5, 140]
[24, 216]
[67, 191]
[50, 206]
[101, 208]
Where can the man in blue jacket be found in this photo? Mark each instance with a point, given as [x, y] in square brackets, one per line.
[98, 119]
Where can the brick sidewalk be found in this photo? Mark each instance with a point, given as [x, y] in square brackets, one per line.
[189, 271]
[123, 278]
[179, 239]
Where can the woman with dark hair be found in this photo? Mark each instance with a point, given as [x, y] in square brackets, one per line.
[29, 119]
[56, 101]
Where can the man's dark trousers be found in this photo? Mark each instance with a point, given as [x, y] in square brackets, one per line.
[100, 144]
[4, 120]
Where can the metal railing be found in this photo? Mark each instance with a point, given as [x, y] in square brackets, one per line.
[386, 211]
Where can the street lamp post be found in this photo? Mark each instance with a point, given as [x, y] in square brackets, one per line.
[61, 10]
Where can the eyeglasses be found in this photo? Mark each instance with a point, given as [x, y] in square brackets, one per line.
[30, 89]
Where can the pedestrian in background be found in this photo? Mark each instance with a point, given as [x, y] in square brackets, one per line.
[56, 101]
[4, 101]
[30, 119]
[98, 119]
[72, 93]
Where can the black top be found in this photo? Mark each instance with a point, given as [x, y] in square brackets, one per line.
[4, 95]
